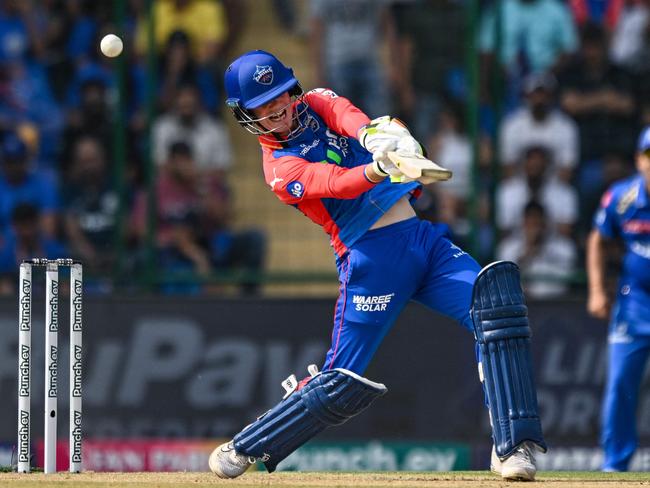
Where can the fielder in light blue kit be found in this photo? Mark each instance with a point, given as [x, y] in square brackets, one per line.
[326, 158]
[624, 214]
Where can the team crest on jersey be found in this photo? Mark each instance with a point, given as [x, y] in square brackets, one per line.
[296, 189]
[263, 74]
[312, 123]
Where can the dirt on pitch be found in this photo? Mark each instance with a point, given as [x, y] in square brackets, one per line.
[320, 480]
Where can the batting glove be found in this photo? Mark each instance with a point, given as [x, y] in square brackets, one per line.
[385, 134]
[381, 130]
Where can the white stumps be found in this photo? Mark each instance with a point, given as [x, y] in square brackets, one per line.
[76, 287]
[51, 363]
[24, 367]
[51, 351]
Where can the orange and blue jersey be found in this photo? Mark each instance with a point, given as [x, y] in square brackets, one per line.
[321, 172]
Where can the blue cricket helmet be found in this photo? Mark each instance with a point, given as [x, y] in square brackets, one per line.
[256, 78]
[644, 140]
[253, 79]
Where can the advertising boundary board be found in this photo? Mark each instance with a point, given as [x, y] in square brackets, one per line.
[202, 368]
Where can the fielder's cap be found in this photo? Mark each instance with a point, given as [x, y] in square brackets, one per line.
[13, 148]
[644, 140]
[540, 81]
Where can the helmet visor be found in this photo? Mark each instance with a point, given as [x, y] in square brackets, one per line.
[266, 97]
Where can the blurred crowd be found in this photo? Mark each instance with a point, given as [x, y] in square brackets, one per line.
[74, 155]
[563, 92]
[563, 95]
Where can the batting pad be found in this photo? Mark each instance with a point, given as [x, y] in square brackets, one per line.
[330, 398]
[502, 332]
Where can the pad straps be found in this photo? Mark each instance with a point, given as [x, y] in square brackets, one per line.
[329, 398]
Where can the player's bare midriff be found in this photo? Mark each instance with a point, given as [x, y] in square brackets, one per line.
[402, 210]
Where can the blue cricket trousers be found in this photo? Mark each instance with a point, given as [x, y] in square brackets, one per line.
[410, 260]
[627, 356]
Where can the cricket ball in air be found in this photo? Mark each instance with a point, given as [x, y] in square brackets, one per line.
[111, 45]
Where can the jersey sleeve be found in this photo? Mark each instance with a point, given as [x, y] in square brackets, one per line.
[294, 180]
[338, 112]
[606, 221]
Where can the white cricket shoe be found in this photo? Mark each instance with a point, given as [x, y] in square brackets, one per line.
[226, 463]
[519, 466]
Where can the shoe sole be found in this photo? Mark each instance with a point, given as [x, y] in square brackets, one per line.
[514, 476]
[518, 476]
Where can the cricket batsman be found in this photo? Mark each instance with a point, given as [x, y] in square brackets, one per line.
[326, 158]
[624, 214]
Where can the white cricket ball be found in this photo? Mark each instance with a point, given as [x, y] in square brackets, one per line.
[111, 45]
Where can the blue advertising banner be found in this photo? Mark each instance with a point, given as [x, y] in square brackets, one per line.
[204, 368]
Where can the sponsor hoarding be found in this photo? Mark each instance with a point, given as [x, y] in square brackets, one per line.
[156, 368]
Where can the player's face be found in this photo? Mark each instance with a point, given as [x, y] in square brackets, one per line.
[277, 114]
[643, 165]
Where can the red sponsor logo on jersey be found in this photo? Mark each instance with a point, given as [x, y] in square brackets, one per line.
[637, 226]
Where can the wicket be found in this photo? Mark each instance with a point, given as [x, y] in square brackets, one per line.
[51, 361]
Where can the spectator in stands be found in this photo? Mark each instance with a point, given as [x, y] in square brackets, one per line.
[206, 136]
[600, 97]
[67, 30]
[547, 260]
[287, 14]
[21, 184]
[452, 148]
[346, 39]
[193, 221]
[603, 12]
[25, 97]
[206, 22]
[536, 36]
[24, 240]
[19, 31]
[177, 215]
[95, 67]
[91, 118]
[179, 68]
[630, 46]
[91, 207]
[536, 183]
[25, 93]
[425, 67]
[539, 123]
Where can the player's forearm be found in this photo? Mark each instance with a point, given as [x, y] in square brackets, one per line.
[351, 183]
[595, 262]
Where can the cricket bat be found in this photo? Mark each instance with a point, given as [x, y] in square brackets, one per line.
[419, 168]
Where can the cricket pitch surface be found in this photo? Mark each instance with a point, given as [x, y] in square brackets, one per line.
[455, 479]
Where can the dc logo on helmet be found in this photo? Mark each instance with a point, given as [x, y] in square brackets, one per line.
[263, 74]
